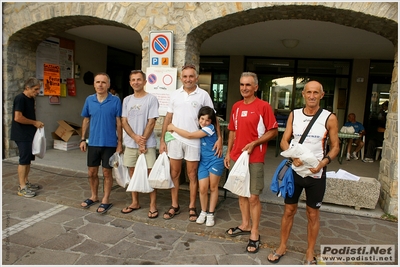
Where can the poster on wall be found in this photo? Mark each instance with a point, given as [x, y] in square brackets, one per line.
[51, 79]
[66, 64]
[47, 52]
[161, 82]
[71, 87]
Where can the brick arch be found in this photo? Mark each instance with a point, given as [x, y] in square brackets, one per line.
[372, 23]
[19, 57]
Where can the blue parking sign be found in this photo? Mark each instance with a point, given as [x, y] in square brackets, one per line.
[154, 61]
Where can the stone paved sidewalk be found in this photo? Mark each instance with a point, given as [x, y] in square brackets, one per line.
[63, 233]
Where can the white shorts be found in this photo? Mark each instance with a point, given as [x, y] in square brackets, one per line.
[131, 155]
[179, 150]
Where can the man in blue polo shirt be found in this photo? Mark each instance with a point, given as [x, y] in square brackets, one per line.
[102, 116]
[358, 128]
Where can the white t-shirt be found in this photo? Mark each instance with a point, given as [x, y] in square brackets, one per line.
[185, 108]
[138, 111]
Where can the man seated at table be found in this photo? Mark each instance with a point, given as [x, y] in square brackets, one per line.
[358, 128]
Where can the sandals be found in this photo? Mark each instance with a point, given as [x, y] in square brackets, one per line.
[89, 203]
[105, 208]
[193, 215]
[274, 254]
[172, 215]
[236, 231]
[253, 244]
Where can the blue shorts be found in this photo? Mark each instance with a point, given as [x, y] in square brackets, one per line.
[97, 154]
[215, 166]
[25, 152]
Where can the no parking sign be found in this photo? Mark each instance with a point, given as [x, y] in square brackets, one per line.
[161, 47]
[161, 82]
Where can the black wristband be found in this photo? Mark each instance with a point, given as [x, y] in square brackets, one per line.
[83, 140]
[329, 158]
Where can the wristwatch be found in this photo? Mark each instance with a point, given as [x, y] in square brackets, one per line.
[83, 140]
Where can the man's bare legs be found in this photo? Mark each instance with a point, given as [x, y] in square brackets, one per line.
[176, 167]
[135, 196]
[286, 227]
[312, 231]
[255, 214]
[191, 168]
[107, 185]
[23, 171]
[93, 178]
[244, 206]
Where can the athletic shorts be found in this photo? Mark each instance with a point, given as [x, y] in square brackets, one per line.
[97, 154]
[131, 155]
[315, 190]
[25, 152]
[179, 150]
[256, 177]
[214, 166]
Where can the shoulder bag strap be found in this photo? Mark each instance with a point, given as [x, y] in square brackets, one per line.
[310, 124]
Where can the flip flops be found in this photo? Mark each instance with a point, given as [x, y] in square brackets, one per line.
[153, 214]
[236, 232]
[89, 203]
[106, 207]
[253, 244]
[130, 209]
[274, 254]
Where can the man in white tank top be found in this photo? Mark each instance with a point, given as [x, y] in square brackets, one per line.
[325, 126]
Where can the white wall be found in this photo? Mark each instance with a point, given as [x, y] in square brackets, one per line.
[91, 56]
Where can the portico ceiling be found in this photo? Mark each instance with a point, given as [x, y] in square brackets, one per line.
[317, 39]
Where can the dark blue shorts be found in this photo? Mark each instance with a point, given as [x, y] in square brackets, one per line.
[315, 190]
[25, 152]
[97, 154]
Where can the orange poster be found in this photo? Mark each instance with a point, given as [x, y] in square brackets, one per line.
[51, 79]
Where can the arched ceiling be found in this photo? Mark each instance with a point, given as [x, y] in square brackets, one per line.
[317, 39]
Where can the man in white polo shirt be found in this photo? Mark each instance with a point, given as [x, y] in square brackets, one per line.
[182, 111]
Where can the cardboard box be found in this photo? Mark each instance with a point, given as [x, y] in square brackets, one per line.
[72, 143]
[67, 129]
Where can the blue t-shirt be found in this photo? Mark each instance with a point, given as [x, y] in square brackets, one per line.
[207, 144]
[102, 120]
[358, 127]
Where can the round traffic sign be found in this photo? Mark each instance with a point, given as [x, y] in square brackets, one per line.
[152, 78]
[167, 79]
[160, 44]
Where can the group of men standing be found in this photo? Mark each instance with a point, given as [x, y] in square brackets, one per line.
[251, 125]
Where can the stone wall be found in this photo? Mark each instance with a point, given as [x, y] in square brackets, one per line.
[25, 25]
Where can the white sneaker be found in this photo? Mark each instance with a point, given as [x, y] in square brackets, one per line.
[210, 219]
[368, 160]
[202, 217]
[354, 156]
[348, 157]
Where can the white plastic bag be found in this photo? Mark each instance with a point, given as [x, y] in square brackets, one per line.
[160, 175]
[119, 171]
[238, 181]
[39, 143]
[139, 181]
[347, 129]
